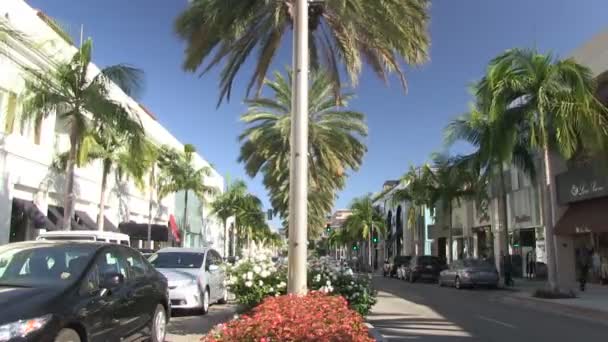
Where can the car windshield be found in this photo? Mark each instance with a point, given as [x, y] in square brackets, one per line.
[476, 263]
[177, 260]
[35, 266]
[428, 260]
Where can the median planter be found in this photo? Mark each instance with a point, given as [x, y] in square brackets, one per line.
[316, 316]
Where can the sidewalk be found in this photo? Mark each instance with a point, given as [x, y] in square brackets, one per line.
[592, 304]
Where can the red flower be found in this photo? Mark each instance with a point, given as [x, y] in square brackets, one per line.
[314, 317]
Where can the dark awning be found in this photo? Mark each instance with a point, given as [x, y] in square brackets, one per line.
[85, 220]
[584, 217]
[139, 231]
[56, 216]
[39, 220]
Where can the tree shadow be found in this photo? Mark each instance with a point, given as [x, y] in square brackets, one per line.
[188, 322]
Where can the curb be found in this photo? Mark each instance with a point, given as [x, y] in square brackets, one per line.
[566, 310]
[375, 334]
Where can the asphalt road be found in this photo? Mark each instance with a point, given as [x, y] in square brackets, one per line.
[427, 313]
[188, 326]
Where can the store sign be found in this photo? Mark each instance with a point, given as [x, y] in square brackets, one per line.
[522, 218]
[582, 230]
[581, 184]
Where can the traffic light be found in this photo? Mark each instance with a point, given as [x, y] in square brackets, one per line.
[355, 247]
[374, 235]
[328, 228]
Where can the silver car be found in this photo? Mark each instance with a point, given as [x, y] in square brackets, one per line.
[469, 273]
[195, 276]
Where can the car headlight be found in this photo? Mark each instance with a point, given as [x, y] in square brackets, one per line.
[22, 328]
[466, 274]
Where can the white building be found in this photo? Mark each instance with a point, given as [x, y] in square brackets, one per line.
[26, 179]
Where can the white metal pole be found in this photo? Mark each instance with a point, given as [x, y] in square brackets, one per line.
[298, 171]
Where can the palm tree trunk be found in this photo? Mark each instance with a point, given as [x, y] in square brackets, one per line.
[102, 197]
[150, 204]
[450, 238]
[186, 230]
[504, 209]
[369, 250]
[548, 190]
[68, 211]
[226, 238]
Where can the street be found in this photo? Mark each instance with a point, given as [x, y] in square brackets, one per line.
[426, 312]
[189, 326]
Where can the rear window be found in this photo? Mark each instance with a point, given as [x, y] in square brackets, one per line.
[177, 260]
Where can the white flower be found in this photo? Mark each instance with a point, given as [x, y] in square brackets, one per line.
[257, 269]
[244, 276]
[281, 285]
[328, 283]
[261, 283]
[264, 274]
[317, 278]
[249, 275]
[248, 283]
[271, 289]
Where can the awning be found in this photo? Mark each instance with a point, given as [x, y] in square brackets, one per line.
[39, 220]
[56, 216]
[584, 217]
[83, 219]
[139, 231]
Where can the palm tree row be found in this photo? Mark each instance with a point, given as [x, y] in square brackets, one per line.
[526, 105]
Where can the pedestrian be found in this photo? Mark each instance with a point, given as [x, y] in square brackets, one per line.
[508, 269]
[604, 270]
[386, 268]
[596, 264]
[531, 263]
[584, 263]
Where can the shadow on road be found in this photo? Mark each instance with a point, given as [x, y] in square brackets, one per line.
[186, 326]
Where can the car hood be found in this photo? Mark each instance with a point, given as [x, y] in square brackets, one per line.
[179, 275]
[25, 302]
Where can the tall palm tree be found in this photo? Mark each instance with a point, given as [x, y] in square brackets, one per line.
[497, 142]
[250, 218]
[81, 100]
[416, 191]
[364, 220]
[449, 182]
[561, 113]
[181, 175]
[383, 34]
[335, 145]
[226, 205]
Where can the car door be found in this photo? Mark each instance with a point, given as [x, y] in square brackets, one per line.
[140, 290]
[218, 275]
[211, 276]
[101, 311]
[126, 316]
[454, 267]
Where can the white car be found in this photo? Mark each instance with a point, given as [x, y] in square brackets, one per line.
[195, 276]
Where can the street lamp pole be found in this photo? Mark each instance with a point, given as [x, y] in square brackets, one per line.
[298, 170]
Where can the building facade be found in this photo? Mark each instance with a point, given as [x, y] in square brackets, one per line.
[31, 191]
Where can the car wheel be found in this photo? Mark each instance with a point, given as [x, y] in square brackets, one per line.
[159, 324]
[67, 335]
[224, 298]
[205, 298]
[457, 283]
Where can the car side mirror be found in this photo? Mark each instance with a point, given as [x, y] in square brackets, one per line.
[213, 268]
[111, 281]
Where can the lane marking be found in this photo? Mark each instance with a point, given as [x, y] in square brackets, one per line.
[496, 322]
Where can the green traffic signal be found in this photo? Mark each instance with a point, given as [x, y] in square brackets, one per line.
[375, 239]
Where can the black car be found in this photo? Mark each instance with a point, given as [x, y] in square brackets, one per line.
[425, 267]
[399, 260]
[80, 291]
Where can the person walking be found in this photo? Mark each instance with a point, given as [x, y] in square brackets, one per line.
[508, 269]
[596, 265]
[584, 263]
[531, 263]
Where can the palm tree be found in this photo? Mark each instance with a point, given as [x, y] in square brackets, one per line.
[250, 218]
[365, 219]
[226, 205]
[416, 191]
[561, 114]
[382, 34]
[81, 100]
[497, 142]
[181, 175]
[116, 144]
[335, 144]
[449, 182]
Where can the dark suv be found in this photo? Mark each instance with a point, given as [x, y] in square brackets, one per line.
[425, 267]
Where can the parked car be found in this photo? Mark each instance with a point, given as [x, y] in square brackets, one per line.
[399, 261]
[425, 267]
[469, 273]
[146, 252]
[196, 277]
[86, 235]
[64, 291]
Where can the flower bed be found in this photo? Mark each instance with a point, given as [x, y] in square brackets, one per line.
[314, 317]
[253, 279]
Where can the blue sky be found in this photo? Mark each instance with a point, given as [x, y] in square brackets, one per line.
[403, 128]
